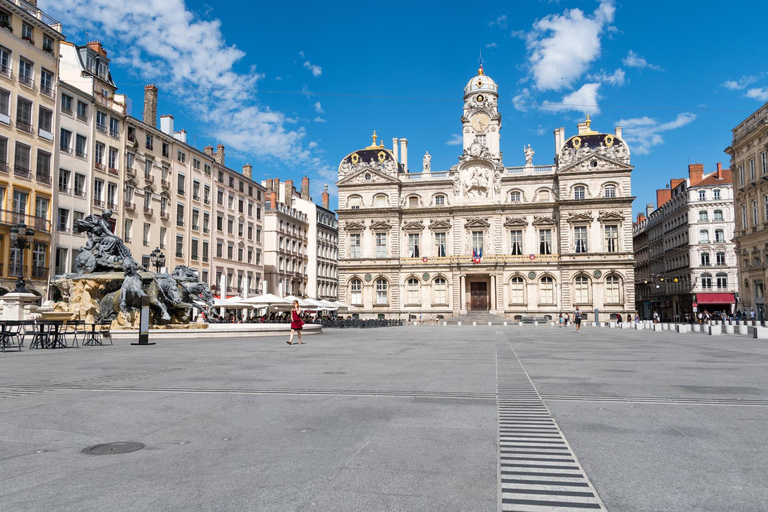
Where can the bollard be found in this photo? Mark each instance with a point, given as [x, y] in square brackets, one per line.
[459, 324]
[696, 327]
[656, 327]
[760, 332]
[474, 323]
[505, 324]
[639, 326]
[489, 323]
[682, 328]
[728, 329]
[742, 329]
[535, 322]
[717, 330]
[612, 325]
[626, 325]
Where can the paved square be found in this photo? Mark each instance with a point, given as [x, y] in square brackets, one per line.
[411, 418]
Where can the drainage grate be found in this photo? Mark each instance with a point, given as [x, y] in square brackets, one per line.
[113, 448]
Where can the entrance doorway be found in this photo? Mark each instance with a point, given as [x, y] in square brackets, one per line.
[479, 296]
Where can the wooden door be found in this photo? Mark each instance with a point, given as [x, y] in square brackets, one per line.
[479, 295]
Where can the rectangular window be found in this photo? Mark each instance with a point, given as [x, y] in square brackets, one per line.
[196, 190]
[516, 242]
[180, 187]
[64, 175]
[163, 232]
[80, 146]
[22, 164]
[149, 143]
[206, 222]
[5, 55]
[112, 195]
[413, 245]
[193, 249]
[381, 245]
[219, 250]
[220, 223]
[705, 259]
[62, 223]
[752, 169]
[99, 154]
[205, 250]
[112, 161]
[207, 194]
[381, 291]
[477, 243]
[196, 164]
[26, 73]
[45, 123]
[5, 105]
[441, 245]
[179, 246]
[545, 241]
[195, 219]
[181, 156]
[580, 239]
[230, 252]
[720, 259]
[128, 230]
[3, 154]
[114, 127]
[24, 115]
[43, 166]
[741, 175]
[101, 121]
[80, 185]
[180, 215]
[355, 250]
[611, 238]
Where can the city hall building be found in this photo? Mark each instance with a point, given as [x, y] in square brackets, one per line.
[525, 241]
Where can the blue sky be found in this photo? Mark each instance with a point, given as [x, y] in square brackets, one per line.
[293, 87]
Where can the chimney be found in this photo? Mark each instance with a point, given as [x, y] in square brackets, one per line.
[268, 185]
[719, 170]
[288, 200]
[150, 105]
[695, 173]
[93, 45]
[662, 196]
[617, 131]
[181, 136]
[404, 153]
[582, 127]
[559, 140]
[273, 200]
[305, 188]
[247, 170]
[394, 147]
[220, 154]
[326, 197]
[648, 209]
[640, 217]
[276, 185]
[166, 124]
[208, 150]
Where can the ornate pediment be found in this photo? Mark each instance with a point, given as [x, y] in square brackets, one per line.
[355, 225]
[440, 224]
[414, 225]
[366, 174]
[477, 222]
[543, 220]
[593, 162]
[609, 215]
[576, 218]
[381, 225]
[513, 222]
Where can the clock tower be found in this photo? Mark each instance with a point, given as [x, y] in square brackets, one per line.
[481, 122]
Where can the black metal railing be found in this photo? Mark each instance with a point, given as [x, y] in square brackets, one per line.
[21, 171]
[44, 178]
[11, 218]
[101, 127]
[39, 273]
[24, 126]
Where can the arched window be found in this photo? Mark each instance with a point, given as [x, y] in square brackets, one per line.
[517, 290]
[413, 202]
[704, 236]
[354, 202]
[610, 191]
[612, 290]
[440, 200]
[547, 290]
[412, 291]
[356, 291]
[382, 296]
[706, 281]
[544, 196]
[722, 281]
[579, 192]
[703, 217]
[719, 236]
[441, 295]
[515, 197]
[719, 216]
[582, 290]
[380, 201]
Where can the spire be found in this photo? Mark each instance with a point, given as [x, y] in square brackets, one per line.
[480, 71]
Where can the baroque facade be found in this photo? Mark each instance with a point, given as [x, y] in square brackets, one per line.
[515, 241]
[749, 162]
[685, 261]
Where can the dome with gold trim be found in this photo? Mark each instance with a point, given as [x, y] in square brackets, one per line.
[481, 83]
[375, 155]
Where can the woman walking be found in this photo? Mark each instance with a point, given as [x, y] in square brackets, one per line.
[296, 322]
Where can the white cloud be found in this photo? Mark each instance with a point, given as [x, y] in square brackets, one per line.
[492, 45]
[741, 83]
[316, 70]
[562, 46]
[500, 22]
[319, 108]
[523, 101]
[617, 78]
[634, 60]
[301, 54]
[163, 42]
[758, 93]
[643, 133]
[455, 140]
[584, 100]
[312, 145]
[318, 119]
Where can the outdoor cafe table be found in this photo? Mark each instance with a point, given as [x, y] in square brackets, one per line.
[90, 336]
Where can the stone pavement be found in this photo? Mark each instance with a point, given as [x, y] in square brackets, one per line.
[407, 418]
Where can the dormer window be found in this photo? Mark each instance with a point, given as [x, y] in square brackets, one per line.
[27, 33]
[610, 191]
[578, 193]
[90, 64]
[439, 200]
[413, 202]
[515, 197]
[103, 70]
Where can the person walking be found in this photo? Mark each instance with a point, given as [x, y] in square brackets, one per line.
[577, 318]
[296, 322]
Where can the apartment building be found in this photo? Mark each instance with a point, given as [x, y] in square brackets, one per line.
[90, 165]
[322, 244]
[237, 236]
[286, 230]
[29, 67]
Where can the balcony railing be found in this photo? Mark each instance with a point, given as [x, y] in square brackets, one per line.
[44, 178]
[4, 167]
[113, 171]
[14, 270]
[100, 167]
[164, 215]
[21, 172]
[24, 126]
[130, 171]
[82, 117]
[62, 228]
[66, 110]
[80, 154]
[130, 206]
[147, 211]
[180, 223]
[114, 133]
[47, 90]
[39, 273]
[27, 80]
[165, 183]
[113, 206]
[80, 192]
[65, 148]
[149, 178]
[11, 218]
[101, 127]
[6, 71]
[99, 203]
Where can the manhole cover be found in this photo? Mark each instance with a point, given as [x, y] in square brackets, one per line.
[113, 448]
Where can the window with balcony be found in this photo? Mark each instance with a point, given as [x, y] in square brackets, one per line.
[98, 155]
[180, 214]
[179, 246]
[101, 121]
[81, 143]
[193, 249]
[196, 190]
[720, 258]
[43, 167]
[611, 238]
[413, 245]
[719, 216]
[79, 187]
[716, 193]
[195, 219]
[180, 184]
[26, 73]
[62, 221]
[705, 259]
[702, 195]
[230, 252]
[21, 166]
[24, 115]
[114, 127]
[45, 123]
[545, 241]
[706, 281]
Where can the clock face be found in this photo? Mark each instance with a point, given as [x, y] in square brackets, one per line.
[480, 122]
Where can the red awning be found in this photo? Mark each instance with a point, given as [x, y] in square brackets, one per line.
[715, 298]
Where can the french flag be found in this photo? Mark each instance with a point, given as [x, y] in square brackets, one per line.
[477, 255]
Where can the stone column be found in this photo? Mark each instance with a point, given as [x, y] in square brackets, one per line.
[493, 292]
[462, 302]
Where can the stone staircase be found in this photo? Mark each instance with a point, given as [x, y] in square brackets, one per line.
[481, 317]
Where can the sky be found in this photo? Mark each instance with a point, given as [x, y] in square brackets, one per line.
[293, 87]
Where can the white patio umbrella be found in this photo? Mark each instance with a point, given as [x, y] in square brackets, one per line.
[328, 305]
[341, 305]
[302, 302]
[266, 299]
[313, 304]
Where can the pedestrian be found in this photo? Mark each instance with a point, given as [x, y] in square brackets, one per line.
[560, 320]
[618, 319]
[629, 318]
[577, 318]
[296, 322]
[655, 317]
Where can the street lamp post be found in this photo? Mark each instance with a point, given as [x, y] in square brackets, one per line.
[157, 259]
[21, 239]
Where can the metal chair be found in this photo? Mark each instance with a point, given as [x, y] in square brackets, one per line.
[41, 335]
[71, 330]
[104, 331]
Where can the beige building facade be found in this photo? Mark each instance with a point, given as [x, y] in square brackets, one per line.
[749, 163]
[517, 241]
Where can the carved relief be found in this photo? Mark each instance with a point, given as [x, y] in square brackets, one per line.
[354, 225]
[512, 222]
[414, 225]
[543, 220]
[609, 215]
[381, 225]
[580, 217]
[477, 222]
[440, 225]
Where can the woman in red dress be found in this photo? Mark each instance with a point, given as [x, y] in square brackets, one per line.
[296, 322]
